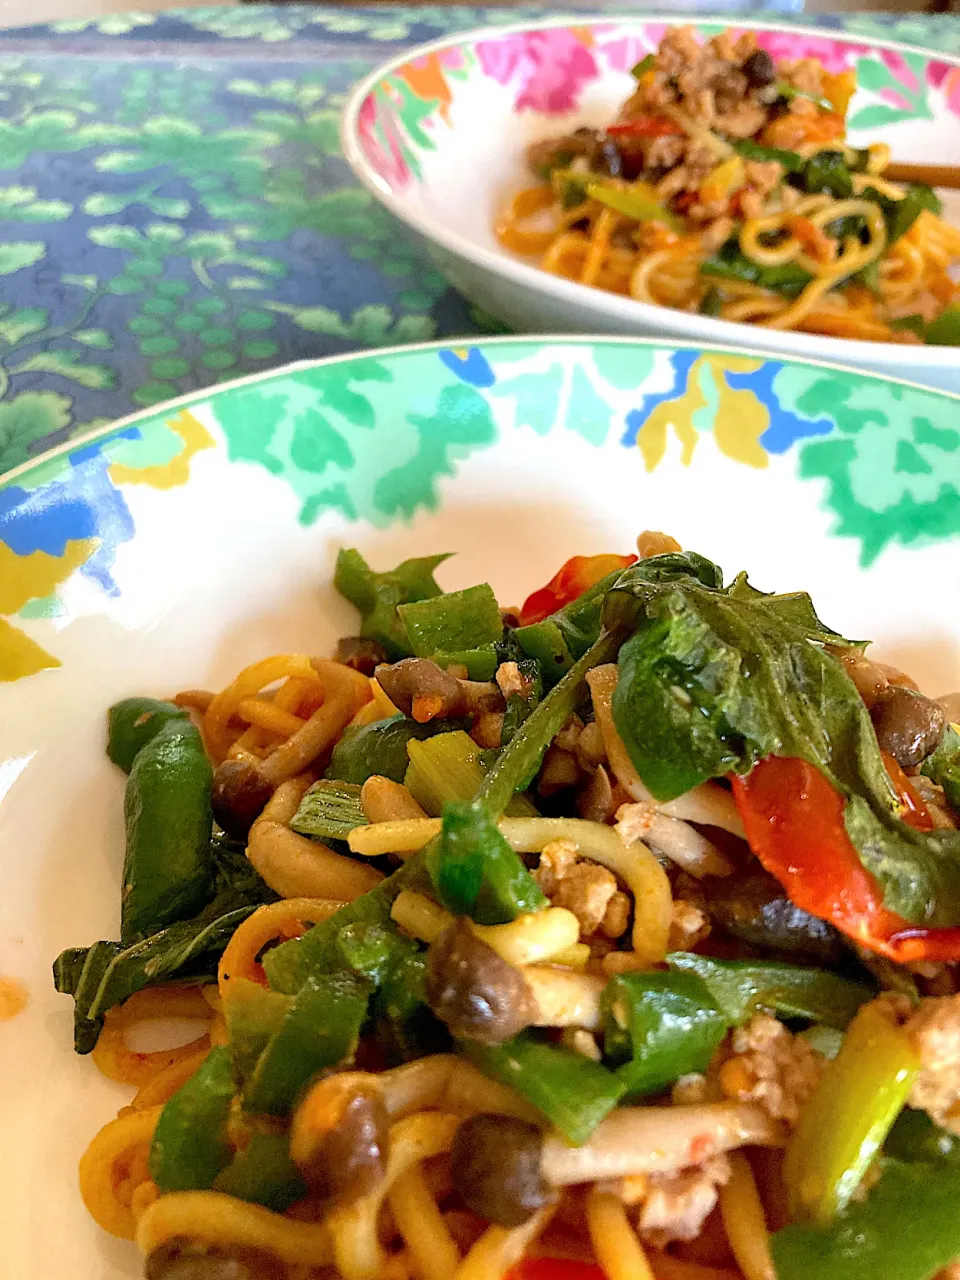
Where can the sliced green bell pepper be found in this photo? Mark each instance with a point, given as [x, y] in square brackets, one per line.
[321, 1029]
[168, 866]
[451, 623]
[263, 1173]
[475, 872]
[740, 987]
[378, 595]
[134, 722]
[189, 1144]
[906, 1228]
[657, 1027]
[573, 1092]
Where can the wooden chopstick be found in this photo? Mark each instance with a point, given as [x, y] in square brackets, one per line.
[934, 175]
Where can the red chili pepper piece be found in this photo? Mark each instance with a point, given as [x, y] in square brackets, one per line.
[576, 576]
[644, 127]
[915, 812]
[794, 823]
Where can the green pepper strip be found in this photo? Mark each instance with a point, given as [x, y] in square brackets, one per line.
[459, 620]
[740, 987]
[134, 722]
[658, 1027]
[521, 758]
[189, 1145]
[168, 866]
[475, 872]
[573, 1092]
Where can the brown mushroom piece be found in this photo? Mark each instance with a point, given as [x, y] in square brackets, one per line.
[360, 654]
[760, 69]
[240, 794]
[752, 905]
[421, 689]
[188, 1260]
[908, 725]
[475, 991]
[495, 1167]
[340, 1138]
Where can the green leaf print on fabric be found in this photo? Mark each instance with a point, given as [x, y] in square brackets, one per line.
[27, 417]
[20, 204]
[17, 254]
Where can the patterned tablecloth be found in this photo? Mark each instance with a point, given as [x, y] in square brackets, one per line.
[174, 209]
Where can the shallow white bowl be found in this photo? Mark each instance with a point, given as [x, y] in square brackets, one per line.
[438, 136]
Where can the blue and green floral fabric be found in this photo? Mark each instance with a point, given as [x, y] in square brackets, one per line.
[175, 211]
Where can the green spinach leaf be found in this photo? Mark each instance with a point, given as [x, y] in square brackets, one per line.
[712, 680]
[730, 263]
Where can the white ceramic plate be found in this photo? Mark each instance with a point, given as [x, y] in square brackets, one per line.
[438, 135]
[177, 547]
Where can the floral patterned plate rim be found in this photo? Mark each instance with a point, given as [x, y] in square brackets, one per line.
[437, 133]
[172, 548]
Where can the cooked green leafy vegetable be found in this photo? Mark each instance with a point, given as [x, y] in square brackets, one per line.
[900, 215]
[825, 171]
[711, 682]
[731, 263]
[379, 748]
[378, 595]
[792, 161]
[107, 973]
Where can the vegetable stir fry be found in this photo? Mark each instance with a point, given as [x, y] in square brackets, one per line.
[614, 935]
[726, 186]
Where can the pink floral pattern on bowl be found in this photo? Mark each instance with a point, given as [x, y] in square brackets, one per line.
[546, 70]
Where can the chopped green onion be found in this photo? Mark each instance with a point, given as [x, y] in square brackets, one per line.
[329, 810]
[645, 64]
[633, 202]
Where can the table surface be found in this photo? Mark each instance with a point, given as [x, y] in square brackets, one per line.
[175, 211]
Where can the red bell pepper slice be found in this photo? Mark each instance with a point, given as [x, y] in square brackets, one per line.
[793, 818]
[644, 127]
[554, 1269]
[576, 576]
